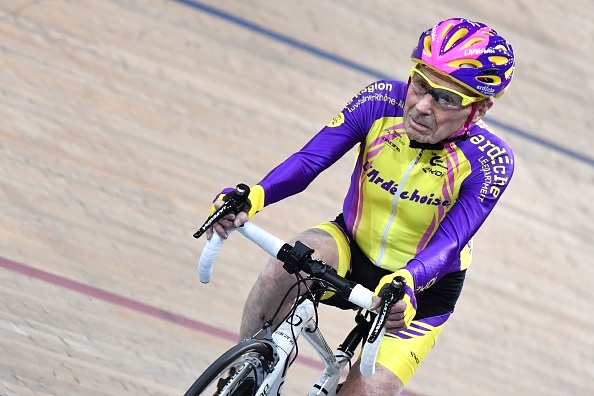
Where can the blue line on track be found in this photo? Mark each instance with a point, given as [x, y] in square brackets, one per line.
[363, 69]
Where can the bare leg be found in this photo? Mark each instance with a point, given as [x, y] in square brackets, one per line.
[274, 281]
[383, 382]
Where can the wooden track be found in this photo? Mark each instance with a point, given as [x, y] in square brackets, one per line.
[120, 120]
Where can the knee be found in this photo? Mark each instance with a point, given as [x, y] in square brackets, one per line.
[383, 382]
[274, 272]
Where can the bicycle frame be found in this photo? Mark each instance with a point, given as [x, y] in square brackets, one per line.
[284, 340]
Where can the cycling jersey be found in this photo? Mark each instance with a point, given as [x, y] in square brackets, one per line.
[417, 207]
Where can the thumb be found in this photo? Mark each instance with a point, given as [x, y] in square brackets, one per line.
[240, 219]
[376, 302]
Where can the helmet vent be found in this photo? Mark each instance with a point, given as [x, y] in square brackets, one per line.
[427, 45]
[498, 60]
[459, 35]
[490, 80]
[465, 63]
[472, 42]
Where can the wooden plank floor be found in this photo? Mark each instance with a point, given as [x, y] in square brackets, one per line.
[120, 120]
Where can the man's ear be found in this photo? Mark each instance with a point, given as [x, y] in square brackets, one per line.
[482, 108]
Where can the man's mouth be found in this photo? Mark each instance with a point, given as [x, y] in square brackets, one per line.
[419, 125]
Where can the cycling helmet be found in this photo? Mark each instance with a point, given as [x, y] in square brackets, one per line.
[471, 53]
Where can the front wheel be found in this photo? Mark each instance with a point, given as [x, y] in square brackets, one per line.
[238, 372]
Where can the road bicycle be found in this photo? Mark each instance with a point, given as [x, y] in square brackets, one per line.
[259, 364]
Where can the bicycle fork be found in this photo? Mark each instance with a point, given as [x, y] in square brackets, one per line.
[284, 340]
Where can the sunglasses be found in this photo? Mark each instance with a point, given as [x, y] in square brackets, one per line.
[444, 97]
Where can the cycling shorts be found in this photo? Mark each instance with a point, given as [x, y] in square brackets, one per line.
[401, 352]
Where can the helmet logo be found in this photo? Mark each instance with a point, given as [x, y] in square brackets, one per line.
[478, 51]
[485, 89]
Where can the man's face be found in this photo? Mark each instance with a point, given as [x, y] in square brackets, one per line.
[424, 121]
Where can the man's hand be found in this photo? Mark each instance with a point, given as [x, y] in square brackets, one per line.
[223, 226]
[402, 312]
[396, 318]
[400, 315]
[254, 204]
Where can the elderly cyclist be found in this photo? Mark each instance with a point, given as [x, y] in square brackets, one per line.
[428, 173]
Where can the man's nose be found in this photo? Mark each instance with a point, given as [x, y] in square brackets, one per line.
[425, 104]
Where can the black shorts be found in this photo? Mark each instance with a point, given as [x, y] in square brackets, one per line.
[437, 300]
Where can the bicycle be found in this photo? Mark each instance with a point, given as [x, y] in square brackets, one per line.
[259, 364]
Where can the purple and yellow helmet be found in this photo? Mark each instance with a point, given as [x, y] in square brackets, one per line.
[471, 53]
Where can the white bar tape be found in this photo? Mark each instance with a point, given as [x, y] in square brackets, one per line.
[361, 296]
[369, 355]
[262, 238]
[208, 256]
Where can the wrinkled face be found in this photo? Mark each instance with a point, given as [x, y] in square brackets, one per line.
[426, 122]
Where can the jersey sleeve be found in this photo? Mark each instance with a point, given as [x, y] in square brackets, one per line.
[493, 166]
[294, 174]
[342, 133]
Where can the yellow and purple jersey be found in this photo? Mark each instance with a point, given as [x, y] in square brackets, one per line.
[405, 206]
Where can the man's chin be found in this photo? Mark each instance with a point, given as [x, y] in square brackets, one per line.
[418, 137]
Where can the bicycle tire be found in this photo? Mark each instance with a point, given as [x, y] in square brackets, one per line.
[245, 367]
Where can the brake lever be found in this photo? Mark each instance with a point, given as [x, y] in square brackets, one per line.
[234, 202]
[391, 294]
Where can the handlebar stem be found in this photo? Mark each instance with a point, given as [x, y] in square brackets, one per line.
[294, 258]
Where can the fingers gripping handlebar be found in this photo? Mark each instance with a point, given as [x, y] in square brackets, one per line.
[390, 293]
[234, 202]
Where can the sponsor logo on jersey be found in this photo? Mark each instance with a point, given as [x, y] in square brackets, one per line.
[390, 143]
[436, 160]
[493, 165]
[374, 177]
[374, 92]
[437, 167]
[336, 121]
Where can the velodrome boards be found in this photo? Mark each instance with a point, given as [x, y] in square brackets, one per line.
[120, 121]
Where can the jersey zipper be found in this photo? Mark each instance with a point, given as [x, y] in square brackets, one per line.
[413, 163]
